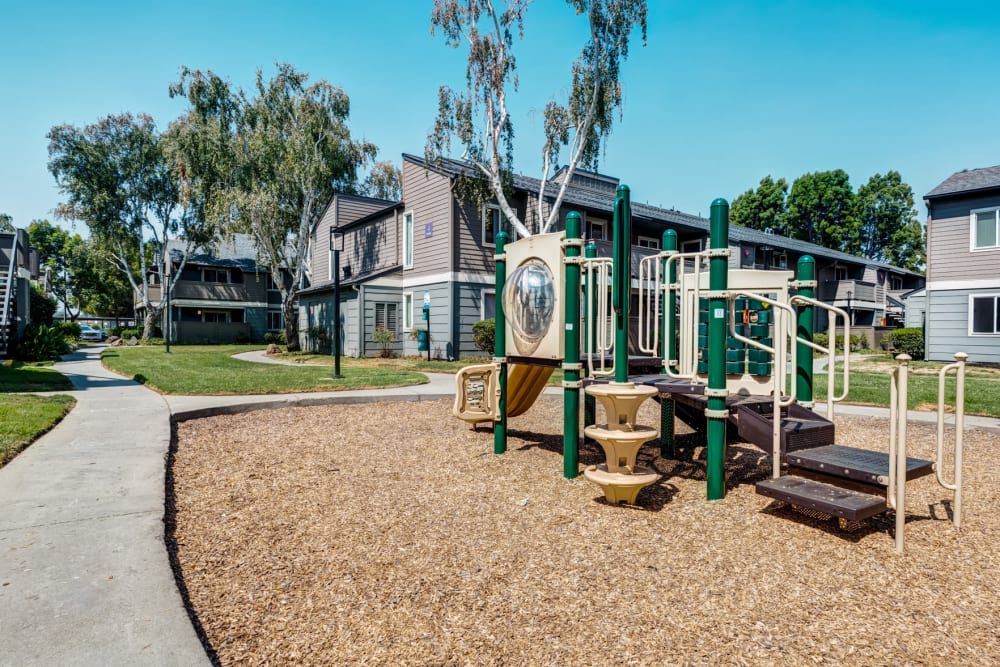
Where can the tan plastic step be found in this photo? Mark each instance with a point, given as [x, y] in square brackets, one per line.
[619, 488]
[621, 447]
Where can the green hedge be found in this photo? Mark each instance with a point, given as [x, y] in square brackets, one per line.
[484, 335]
[909, 341]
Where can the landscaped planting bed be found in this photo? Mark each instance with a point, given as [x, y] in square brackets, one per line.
[391, 534]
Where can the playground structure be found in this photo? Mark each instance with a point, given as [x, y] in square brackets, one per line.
[734, 348]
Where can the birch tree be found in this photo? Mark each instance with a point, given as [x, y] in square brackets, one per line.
[267, 162]
[478, 116]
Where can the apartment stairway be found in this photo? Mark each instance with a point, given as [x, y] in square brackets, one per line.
[7, 302]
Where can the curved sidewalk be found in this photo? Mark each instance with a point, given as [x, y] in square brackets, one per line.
[85, 578]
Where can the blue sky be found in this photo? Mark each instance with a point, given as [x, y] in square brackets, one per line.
[723, 94]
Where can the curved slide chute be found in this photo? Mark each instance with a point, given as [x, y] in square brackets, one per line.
[477, 390]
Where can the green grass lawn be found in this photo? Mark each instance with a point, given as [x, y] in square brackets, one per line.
[870, 380]
[31, 377]
[211, 370]
[24, 418]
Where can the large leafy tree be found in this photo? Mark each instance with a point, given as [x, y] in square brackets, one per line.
[889, 228]
[821, 209]
[116, 179]
[6, 223]
[762, 208]
[478, 115]
[64, 255]
[384, 181]
[285, 149]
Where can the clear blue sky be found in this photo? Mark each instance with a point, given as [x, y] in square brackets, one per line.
[723, 94]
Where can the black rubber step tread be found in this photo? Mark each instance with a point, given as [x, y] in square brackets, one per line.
[862, 465]
[801, 428]
[826, 498]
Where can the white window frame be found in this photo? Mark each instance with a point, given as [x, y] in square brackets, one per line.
[387, 306]
[281, 320]
[597, 222]
[482, 302]
[488, 210]
[408, 224]
[686, 246]
[648, 242]
[841, 270]
[972, 229]
[996, 304]
[407, 311]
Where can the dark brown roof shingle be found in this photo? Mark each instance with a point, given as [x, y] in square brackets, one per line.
[968, 180]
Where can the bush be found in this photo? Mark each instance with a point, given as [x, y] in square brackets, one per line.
[909, 341]
[126, 333]
[821, 339]
[242, 338]
[484, 335]
[69, 330]
[385, 338]
[42, 343]
[41, 307]
[276, 338]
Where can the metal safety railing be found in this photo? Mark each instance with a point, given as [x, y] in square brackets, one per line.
[600, 316]
[896, 486]
[686, 362]
[830, 350]
[784, 321]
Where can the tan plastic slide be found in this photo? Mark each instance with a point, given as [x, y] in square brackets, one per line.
[524, 384]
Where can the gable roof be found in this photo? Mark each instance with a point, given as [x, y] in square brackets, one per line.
[967, 180]
[596, 200]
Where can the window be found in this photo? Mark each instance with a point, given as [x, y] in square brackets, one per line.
[488, 305]
[271, 285]
[691, 246]
[215, 275]
[840, 273]
[275, 320]
[408, 240]
[217, 316]
[495, 222]
[985, 229]
[648, 242]
[407, 311]
[780, 260]
[385, 316]
[597, 230]
[895, 283]
[985, 311]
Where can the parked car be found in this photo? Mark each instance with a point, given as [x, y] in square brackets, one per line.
[90, 334]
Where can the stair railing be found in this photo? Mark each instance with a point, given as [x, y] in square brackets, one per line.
[830, 349]
[956, 486]
[600, 339]
[895, 494]
[10, 282]
[784, 323]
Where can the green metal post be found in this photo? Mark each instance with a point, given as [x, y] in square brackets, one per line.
[589, 402]
[716, 390]
[804, 353]
[571, 357]
[621, 269]
[500, 346]
[669, 346]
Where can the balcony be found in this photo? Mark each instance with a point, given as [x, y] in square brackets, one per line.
[861, 294]
[201, 291]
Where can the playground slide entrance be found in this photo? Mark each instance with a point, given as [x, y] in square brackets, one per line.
[476, 396]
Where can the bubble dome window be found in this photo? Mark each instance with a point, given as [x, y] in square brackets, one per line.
[529, 301]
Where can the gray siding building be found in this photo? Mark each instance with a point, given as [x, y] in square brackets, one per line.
[432, 246]
[963, 267]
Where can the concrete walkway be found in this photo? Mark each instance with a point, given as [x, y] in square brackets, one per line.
[85, 578]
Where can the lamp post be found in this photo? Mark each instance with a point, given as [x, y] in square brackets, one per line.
[336, 245]
[162, 260]
[850, 311]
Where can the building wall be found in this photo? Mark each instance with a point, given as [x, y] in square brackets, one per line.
[948, 239]
[947, 329]
[914, 313]
[428, 197]
[342, 210]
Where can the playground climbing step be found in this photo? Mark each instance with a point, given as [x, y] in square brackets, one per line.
[801, 428]
[845, 482]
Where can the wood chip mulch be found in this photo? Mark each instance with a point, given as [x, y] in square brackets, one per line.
[390, 534]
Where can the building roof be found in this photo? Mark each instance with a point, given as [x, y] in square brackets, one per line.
[238, 252]
[599, 200]
[967, 180]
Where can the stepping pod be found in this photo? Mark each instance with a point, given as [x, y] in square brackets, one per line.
[621, 438]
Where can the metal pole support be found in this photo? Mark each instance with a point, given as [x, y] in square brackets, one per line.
[571, 356]
[621, 284]
[806, 271]
[716, 415]
[500, 347]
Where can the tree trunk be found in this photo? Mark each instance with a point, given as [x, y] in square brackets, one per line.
[290, 311]
[149, 321]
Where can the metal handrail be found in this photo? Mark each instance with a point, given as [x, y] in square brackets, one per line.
[896, 488]
[654, 277]
[783, 330]
[956, 486]
[830, 350]
[597, 276]
[687, 347]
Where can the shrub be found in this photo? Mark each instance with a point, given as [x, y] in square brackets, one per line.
[42, 343]
[909, 341]
[484, 335]
[126, 333]
[319, 339]
[821, 339]
[276, 338]
[69, 330]
[242, 338]
[41, 307]
[385, 338]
